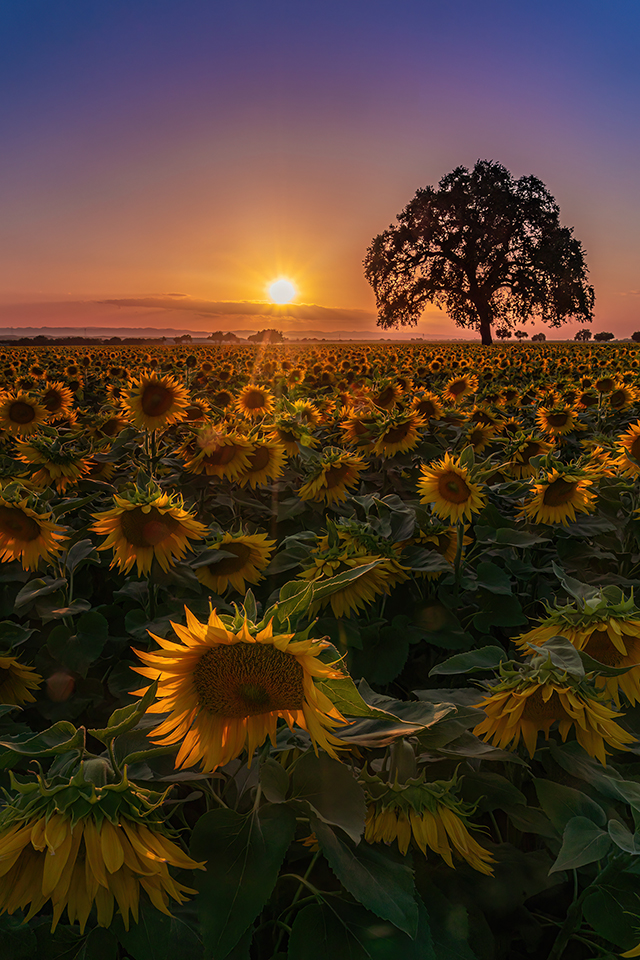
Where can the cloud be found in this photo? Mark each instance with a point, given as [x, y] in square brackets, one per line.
[287, 314]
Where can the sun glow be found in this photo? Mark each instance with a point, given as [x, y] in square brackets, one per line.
[282, 290]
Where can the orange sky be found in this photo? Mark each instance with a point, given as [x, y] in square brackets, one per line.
[157, 149]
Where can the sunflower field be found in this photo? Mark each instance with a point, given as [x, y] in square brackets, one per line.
[320, 650]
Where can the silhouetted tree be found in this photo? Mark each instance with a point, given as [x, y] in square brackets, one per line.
[636, 336]
[603, 336]
[538, 337]
[266, 336]
[583, 335]
[521, 334]
[503, 333]
[484, 247]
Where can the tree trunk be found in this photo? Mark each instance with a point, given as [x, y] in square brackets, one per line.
[485, 333]
[485, 315]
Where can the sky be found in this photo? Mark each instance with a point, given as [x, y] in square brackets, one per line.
[163, 161]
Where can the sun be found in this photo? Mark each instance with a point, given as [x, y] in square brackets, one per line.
[282, 291]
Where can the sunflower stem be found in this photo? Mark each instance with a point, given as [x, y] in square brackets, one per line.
[112, 758]
[574, 913]
[154, 452]
[457, 564]
[304, 882]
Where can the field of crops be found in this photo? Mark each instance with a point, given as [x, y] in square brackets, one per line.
[320, 651]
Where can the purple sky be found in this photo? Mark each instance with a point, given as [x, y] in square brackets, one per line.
[151, 148]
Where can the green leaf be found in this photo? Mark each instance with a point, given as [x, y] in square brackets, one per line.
[382, 657]
[582, 842]
[34, 589]
[101, 944]
[13, 634]
[317, 934]
[92, 628]
[575, 588]
[623, 838]
[293, 603]
[475, 661]
[332, 792]
[562, 803]
[507, 537]
[274, 780]
[345, 697]
[59, 738]
[562, 654]
[77, 650]
[491, 790]
[324, 588]
[74, 608]
[250, 607]
[380, 880]
[18, 940]
[347, 931]
[613, 912]
[125, 718]
[243, 855]
[157, 937]
[499, 611]
[80, 551]
[492, 578]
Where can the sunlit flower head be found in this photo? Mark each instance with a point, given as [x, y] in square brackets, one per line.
[143, 528]
[247, 555]
[448, 486]
[225, 691]
[153, 402]
[26, 534]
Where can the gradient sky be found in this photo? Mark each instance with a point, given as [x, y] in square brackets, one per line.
[153, 148]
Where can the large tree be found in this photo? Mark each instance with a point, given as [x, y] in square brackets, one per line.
[486, 248]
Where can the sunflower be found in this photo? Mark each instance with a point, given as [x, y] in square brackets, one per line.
[154, 402]
[21, 414]
[557, 421]
[27, 535]
[523, 450]
[247, 556]
[458, 388]
[442, 539]
[355, 594]
[622, 396]
[306, 412]
[336, 471]
[254, 401]
[144, 526]
[360, 426]
[428, 405]
[527, 705]
[449, 487]
[427, 815]
[266, 462]
[101, 848]
[398, 434]
[557, 499]
[217, 453]
[197, 410]
[57, 399]
[608, 634]
[628, 447]
[289, 432]
[223, 691]
[58, 464]
[17, 681]
[387, 396]
[480, 436]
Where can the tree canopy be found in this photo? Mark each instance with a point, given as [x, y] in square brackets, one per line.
[486, 248]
